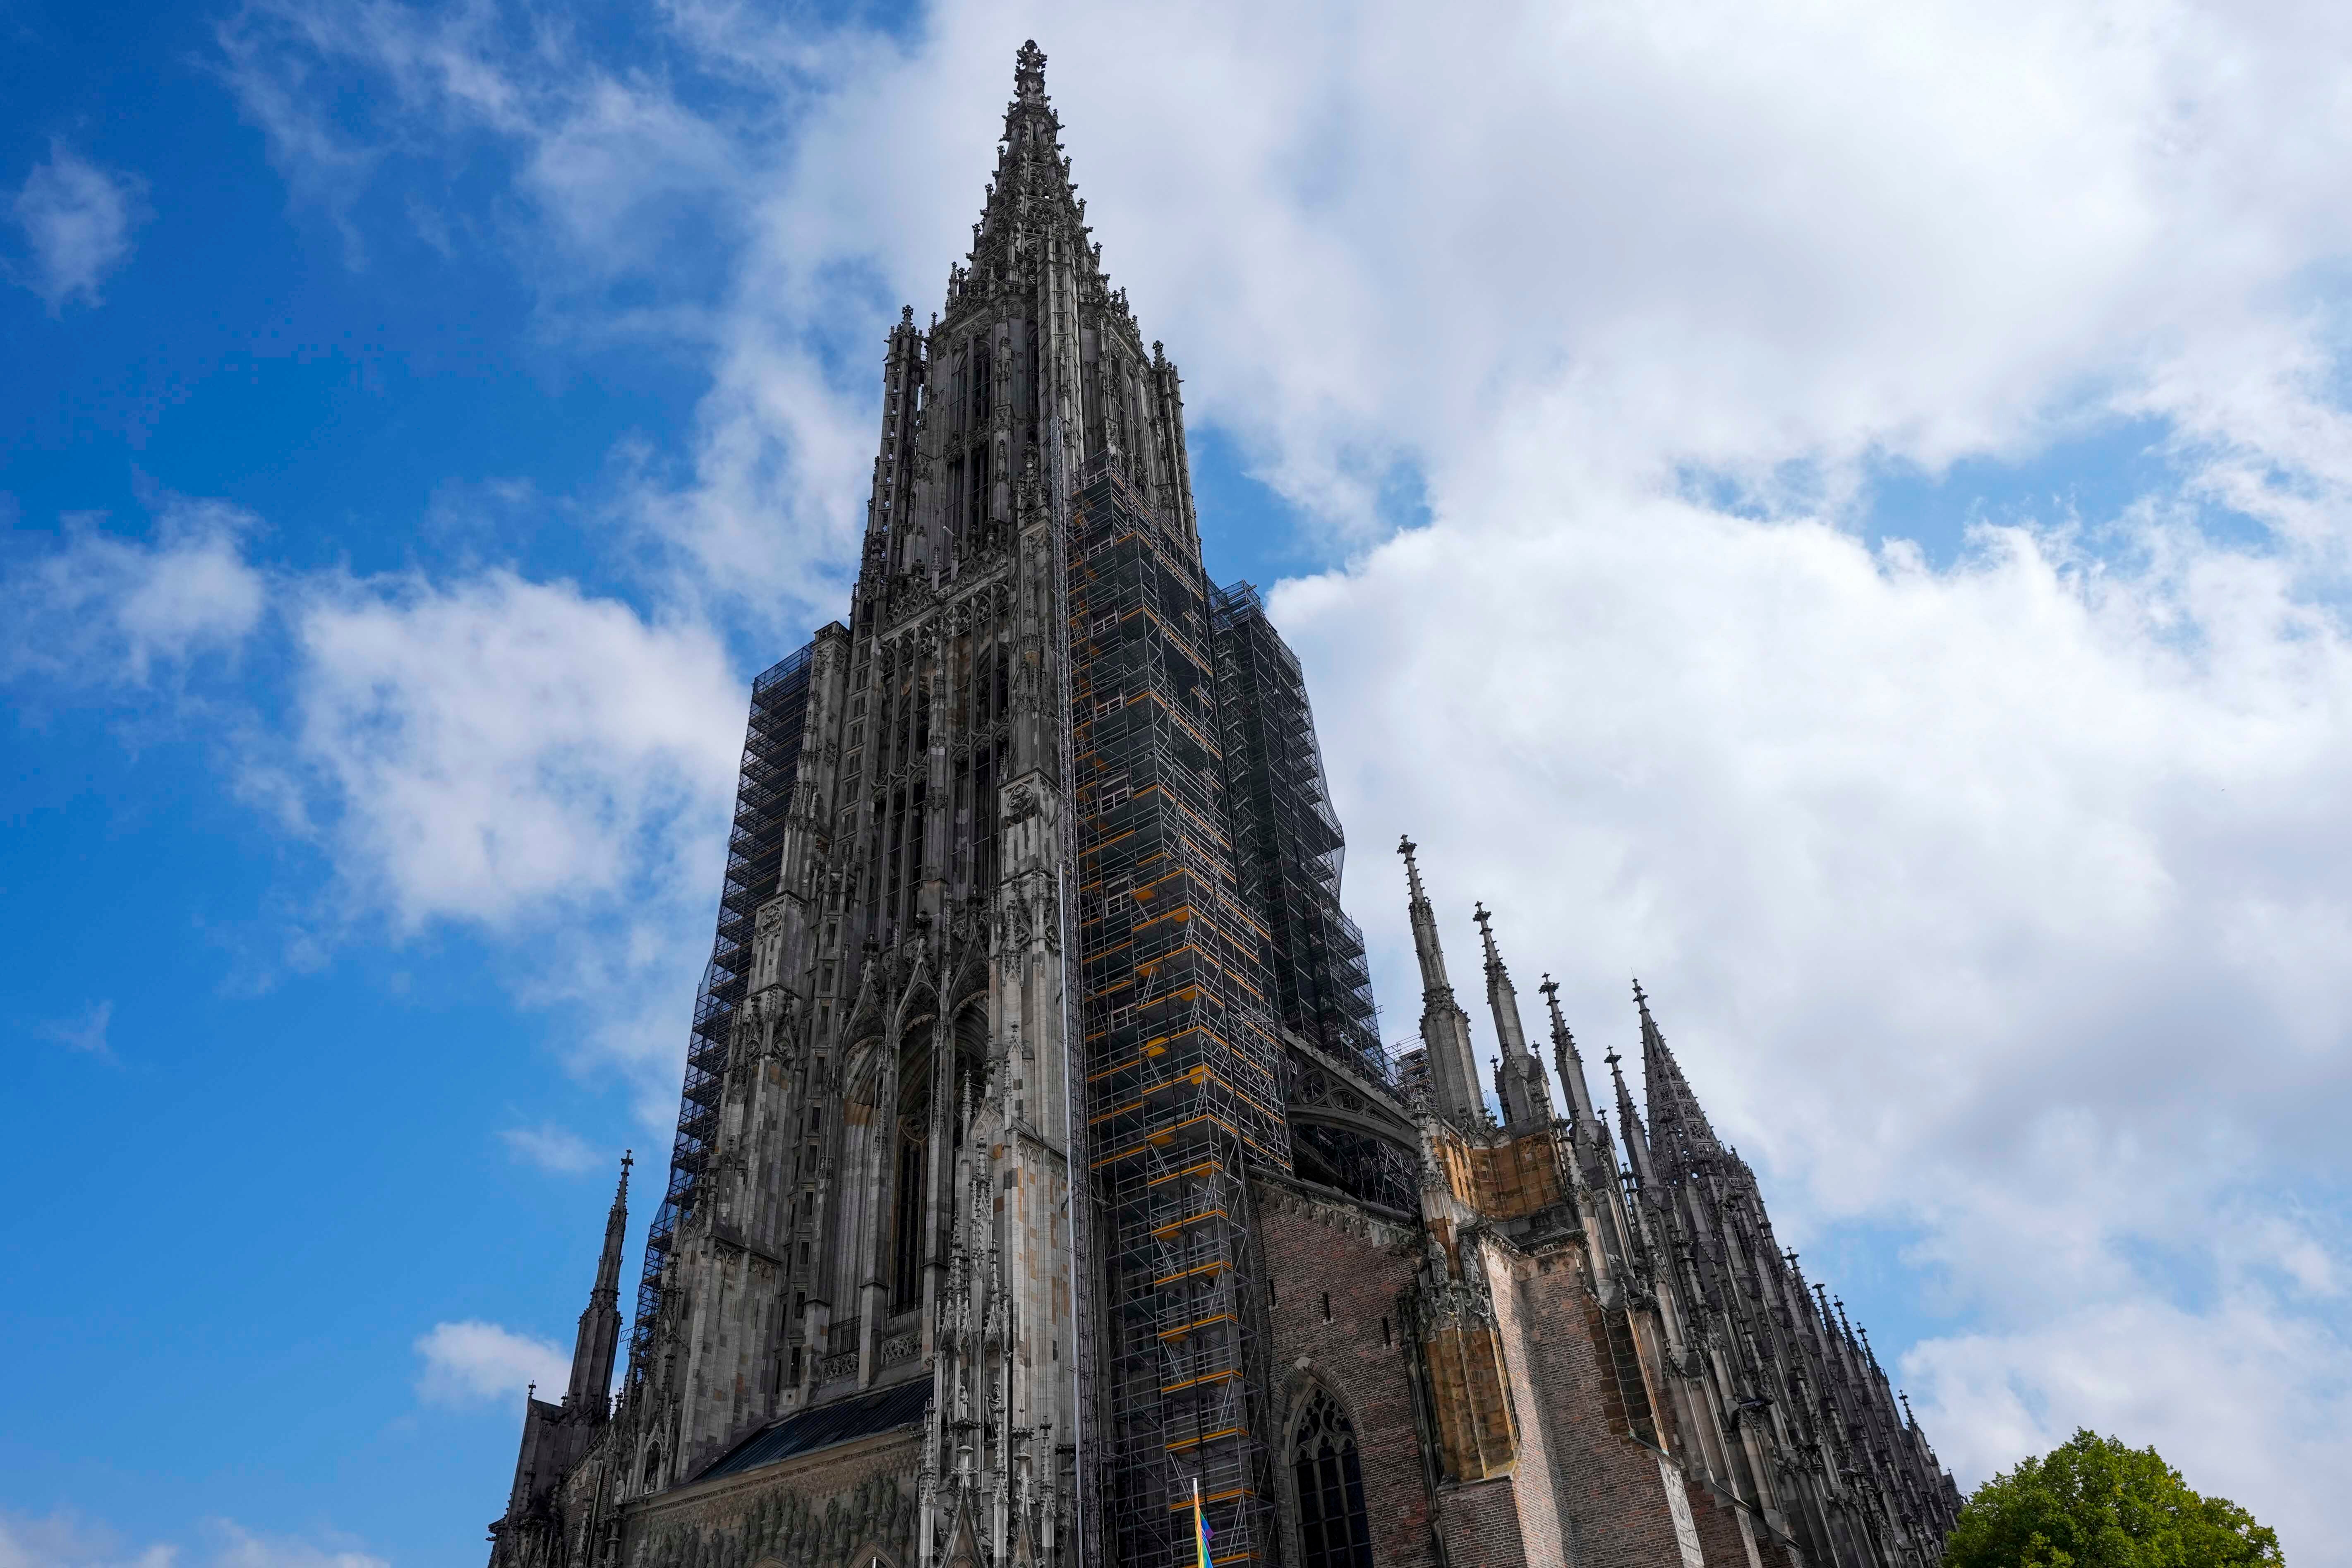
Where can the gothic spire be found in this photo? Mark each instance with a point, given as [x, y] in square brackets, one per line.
[1445, 1026]
[600, 1324]
[1031, 191]
[1684, 1141]
[1520, 1079]
[1637, 1143]
[1425, 945]
[1566, 1057]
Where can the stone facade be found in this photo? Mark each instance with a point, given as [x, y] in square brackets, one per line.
[1029, 1185]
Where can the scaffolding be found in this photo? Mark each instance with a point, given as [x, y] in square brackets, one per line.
[764, 795]
[1182, 1057]
[1288, 849]
[1288, 852]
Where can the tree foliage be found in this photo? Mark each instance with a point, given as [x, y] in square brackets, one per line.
[2093, 1503]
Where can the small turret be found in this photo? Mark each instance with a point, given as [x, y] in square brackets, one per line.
[1637, 1142]
[1445, 1026]
[1567, 1059]
[1518, 1078]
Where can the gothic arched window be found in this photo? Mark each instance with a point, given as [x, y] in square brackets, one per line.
[1332, 1525]
[913, 1143]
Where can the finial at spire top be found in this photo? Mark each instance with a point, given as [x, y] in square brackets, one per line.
[1405, 846]
[1029, 73]
[1485, 917]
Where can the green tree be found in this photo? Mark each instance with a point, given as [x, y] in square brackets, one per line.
[2093, 1503]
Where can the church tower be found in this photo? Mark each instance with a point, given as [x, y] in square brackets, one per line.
[1041, 1185]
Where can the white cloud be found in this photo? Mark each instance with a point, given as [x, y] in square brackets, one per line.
[473, 1362]
[552, 1147]
[238, 1547]
[1997, 903]
[86, 1033]
[551, 768]
[61, 1541]
[102, 610]
[77, 220]
[493, 743]
[2250, 1391]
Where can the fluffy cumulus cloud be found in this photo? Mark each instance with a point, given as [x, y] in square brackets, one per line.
[103, 610]
[547, 767]
[61, 1541]
[475, 1363]
[1994, 897]
[494, 744]
[76, 221]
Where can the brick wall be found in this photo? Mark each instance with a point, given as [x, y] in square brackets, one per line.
[1613, 1508]
[1583, 1491]
[1313, 1247]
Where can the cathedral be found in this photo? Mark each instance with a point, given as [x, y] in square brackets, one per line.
[1042, 1192]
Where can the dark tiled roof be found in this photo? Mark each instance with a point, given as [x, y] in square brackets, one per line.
[809, 1430]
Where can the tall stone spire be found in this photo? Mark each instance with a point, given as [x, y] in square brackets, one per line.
[1030, 173]
[1682, 1140]
[1445, 1026]
[600, 1325]
[1569, 1061]
[1519, 1078]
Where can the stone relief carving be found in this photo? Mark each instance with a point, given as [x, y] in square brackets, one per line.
[784, 1527]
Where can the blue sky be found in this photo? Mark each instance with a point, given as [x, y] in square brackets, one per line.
[1852, 505]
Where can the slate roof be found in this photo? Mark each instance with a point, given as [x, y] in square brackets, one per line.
[806, 1431]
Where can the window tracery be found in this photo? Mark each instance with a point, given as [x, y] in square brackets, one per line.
[1334, 1530]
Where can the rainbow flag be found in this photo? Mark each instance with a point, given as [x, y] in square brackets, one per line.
[1200, 1530]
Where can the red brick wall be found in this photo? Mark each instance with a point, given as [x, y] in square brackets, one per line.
[1583, 1491]
[1481, 1523]
[1311, 1248]
[1615, 1513]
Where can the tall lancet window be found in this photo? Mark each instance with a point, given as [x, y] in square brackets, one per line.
[976, 499]
[907, 1210]
[1332, 1526]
